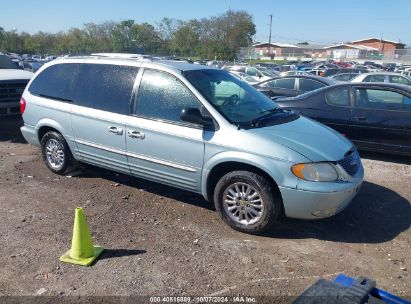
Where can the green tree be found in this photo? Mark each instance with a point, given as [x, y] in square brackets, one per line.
[146, 37]
[185, 41]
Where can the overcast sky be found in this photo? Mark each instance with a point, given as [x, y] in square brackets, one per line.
[315, 21]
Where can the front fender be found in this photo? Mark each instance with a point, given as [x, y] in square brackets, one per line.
[279, 170]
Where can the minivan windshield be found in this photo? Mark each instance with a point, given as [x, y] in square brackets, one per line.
[235, 99]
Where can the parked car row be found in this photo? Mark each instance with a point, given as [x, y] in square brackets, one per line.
[292, 85]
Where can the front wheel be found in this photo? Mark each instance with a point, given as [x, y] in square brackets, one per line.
[247, 202]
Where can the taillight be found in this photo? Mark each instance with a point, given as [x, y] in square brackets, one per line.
[22, 105]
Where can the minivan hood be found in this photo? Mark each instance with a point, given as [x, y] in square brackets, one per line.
[15, 74]
[312, 139]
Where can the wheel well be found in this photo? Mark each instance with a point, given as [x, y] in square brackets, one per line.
[221, 169]
[44, 130]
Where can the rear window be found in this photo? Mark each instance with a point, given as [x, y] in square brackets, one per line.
[56, 82]
[339, 96]
[105, 87]
[307, 85]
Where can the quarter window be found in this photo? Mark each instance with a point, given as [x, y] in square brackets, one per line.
[338, 96]
[163, 96]
[106, 87]
[56, 82]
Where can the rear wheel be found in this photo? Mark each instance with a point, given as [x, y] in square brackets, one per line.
[56, 153]
[247, 201]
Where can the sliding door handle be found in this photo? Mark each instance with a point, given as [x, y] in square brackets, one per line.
[136, 134]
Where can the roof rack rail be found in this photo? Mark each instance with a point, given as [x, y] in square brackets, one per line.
[123, 56]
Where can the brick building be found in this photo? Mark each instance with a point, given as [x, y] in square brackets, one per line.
[381, 45]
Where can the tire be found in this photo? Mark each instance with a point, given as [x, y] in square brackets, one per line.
[56, 153]
[251, 213]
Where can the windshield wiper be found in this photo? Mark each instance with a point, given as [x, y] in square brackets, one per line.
[266, 114]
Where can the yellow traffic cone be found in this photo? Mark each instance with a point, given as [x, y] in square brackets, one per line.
[82, 251]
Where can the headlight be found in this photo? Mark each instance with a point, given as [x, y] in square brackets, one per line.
[315, 172]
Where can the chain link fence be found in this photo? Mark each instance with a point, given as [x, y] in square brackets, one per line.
[304, 54]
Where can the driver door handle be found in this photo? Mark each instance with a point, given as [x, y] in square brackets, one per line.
[361, 118]
[115, 130]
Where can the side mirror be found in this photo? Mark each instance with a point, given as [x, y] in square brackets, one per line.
[193, 115]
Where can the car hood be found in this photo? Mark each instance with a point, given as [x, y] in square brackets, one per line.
[309, 138]
[15, 74]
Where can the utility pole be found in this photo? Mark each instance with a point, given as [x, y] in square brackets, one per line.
[229, 5]
[271, 22]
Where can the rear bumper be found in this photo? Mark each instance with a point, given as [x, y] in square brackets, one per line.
[303, 204]
[30, 135]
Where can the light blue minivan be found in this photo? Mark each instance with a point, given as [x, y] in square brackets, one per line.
[195, 128]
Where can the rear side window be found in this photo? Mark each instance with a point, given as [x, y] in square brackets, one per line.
[56, 82]
[105, 87]
[307, 85]
[287, 83]
[374, 78]
[163, 96]
[338, 97]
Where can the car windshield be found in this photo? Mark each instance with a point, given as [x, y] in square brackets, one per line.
[266, 72]
[236, 100]
[6, 63]
[246, 77]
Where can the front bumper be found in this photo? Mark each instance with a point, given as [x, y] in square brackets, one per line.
[306, 204]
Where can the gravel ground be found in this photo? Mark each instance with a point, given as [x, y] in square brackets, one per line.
[161, 241]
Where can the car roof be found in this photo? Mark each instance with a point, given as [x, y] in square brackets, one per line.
[381, 73]
[371, 85]
[339, 74]
[143, 62]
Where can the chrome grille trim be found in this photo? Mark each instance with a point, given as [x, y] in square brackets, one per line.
[11, 91]
[351, 162]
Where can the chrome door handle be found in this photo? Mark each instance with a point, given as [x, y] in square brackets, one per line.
[115, 130]
[136, 134]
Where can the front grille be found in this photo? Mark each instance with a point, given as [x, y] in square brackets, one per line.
[11, 90]
[351, 162]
